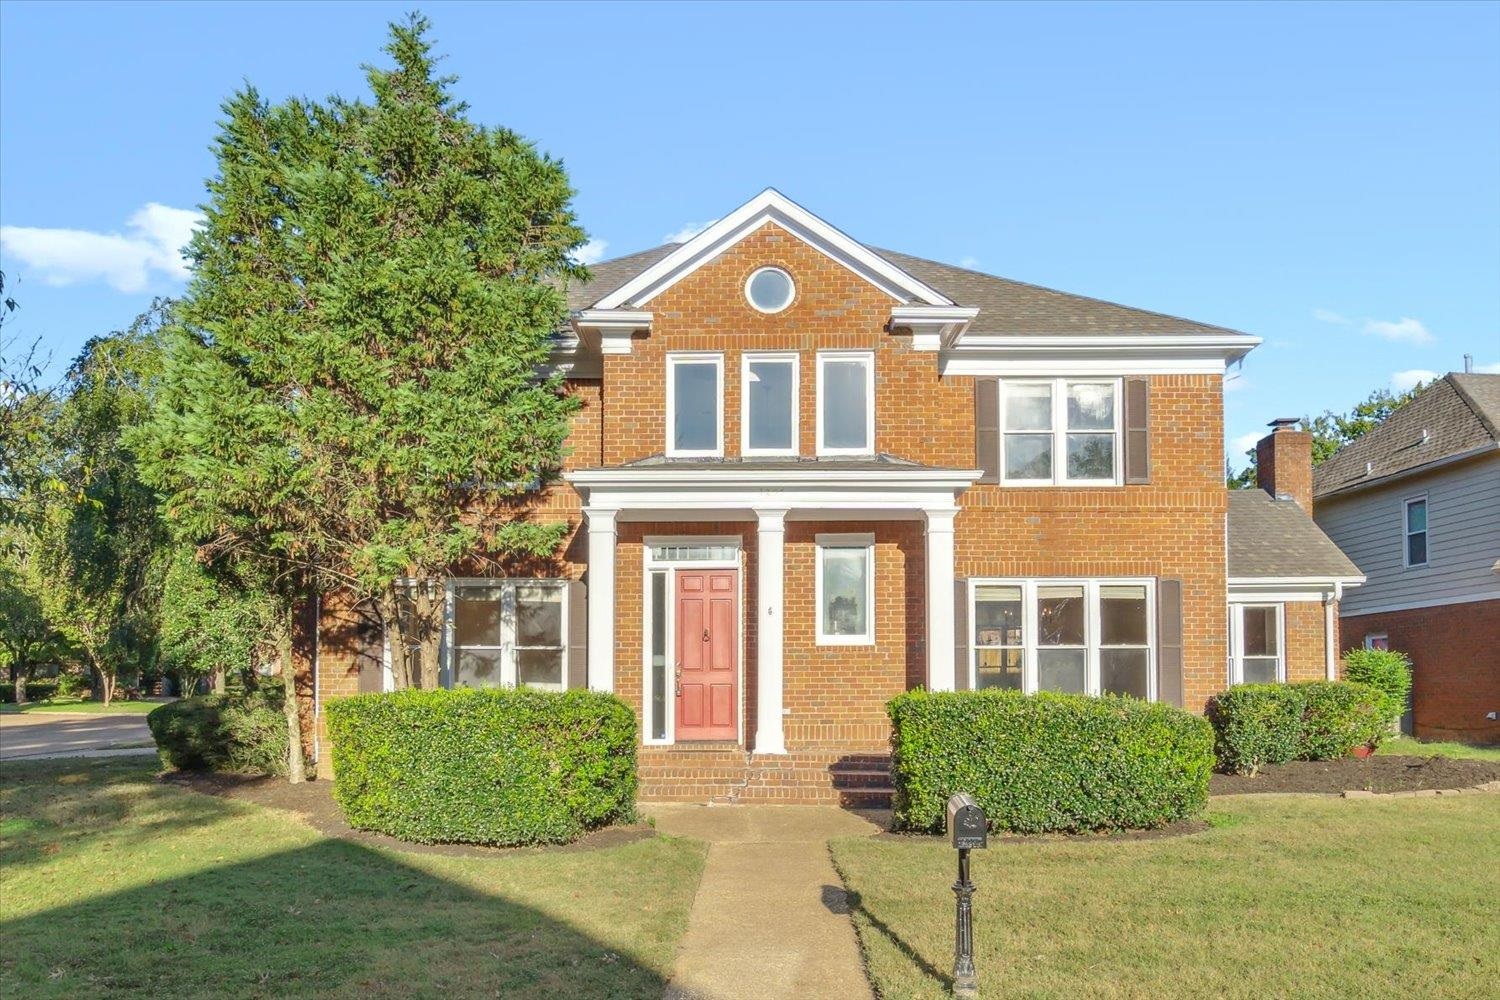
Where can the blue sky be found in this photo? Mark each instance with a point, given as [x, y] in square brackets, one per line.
[1326, 177]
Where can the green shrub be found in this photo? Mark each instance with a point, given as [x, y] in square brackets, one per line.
[1044, 762]
[71, 683]
[243, 732]
[35, 691]
[486, 767]
[1339, 716]
[1385, 669]
[1260, 724]
[1255, 725]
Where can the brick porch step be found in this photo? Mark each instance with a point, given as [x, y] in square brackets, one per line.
[856, 779]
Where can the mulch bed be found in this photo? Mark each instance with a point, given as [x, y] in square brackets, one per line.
[1372, 774]
[313, 802]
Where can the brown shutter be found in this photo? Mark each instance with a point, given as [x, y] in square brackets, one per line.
[369, 653]
[960, 635]
[578, 635]
[1137, 430]
[1169, 642]
[987, 428]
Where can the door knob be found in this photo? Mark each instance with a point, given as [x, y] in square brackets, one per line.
[705, 635]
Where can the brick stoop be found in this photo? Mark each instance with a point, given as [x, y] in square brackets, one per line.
[724, 775]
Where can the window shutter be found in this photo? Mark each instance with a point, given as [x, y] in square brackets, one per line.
[1169, 642]
[578, 635]
[1137, 430]
[987, 428]
[961, 635]
[369, 653]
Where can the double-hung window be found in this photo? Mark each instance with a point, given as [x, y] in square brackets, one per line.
[505, 633]
[1414, 532]
[695, 408]
[768, 404]
[1257, 652]
[1060, 432]
[845, 590]
[846, 403]
[1079, 636]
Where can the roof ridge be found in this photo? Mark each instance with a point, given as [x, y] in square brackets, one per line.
[1058, 291]
[1453, 379]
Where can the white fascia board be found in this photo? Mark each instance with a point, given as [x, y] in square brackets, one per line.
[611, 328]
[933, 327]
[1125, 354]
[1282, 590]
[790, 479]
[771, 206]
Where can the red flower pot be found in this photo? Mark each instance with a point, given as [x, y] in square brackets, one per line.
[1362, 752]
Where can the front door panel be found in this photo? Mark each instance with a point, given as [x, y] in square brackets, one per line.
[707, 655]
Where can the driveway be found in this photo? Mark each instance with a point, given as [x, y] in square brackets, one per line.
[69, 735]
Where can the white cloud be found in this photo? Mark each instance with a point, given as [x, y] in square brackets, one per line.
[1490, 369]
[591, 252]
[1404, 330]
[969, 263]
[152, 243]
[1244, 443]
[1402, 381]
[687, 232]
[1329, 316]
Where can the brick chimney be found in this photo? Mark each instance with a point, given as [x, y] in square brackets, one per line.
[1283, 462]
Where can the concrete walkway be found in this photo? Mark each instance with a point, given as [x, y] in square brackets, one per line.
[770, 918]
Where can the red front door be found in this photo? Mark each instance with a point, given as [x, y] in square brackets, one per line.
[707, 654]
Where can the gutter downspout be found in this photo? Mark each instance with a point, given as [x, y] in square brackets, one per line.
[1330, 624]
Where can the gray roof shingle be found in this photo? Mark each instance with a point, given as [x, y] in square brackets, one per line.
[1456, 414]
[1005, 306]
[1277, 538]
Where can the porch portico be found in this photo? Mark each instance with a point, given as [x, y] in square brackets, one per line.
[766, 496]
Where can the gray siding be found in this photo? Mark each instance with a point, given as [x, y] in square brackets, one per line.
[1463, 539]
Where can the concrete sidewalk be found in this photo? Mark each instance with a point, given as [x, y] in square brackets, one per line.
[57, 734]
[770, 918]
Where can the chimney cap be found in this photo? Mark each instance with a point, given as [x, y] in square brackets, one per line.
[1283, 423]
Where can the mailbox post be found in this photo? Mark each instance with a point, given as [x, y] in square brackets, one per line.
[967, 828]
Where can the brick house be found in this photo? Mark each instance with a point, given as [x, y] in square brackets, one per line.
[1416, 503]
[809, 474]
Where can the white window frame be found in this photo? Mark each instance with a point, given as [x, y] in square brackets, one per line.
[1407, 533]
[1059, 432]
[1093, 629]
[1372, 637]
[1237, 639]
[774, 357]
[868, 357]
[824, 542]
[790, 281]
[508, 647]
[694, 358]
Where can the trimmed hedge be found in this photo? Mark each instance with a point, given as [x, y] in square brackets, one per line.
[507, 767]
[242, 732]
[1047, 762]
[1385, 669]
[35, 691]
[1260, 724]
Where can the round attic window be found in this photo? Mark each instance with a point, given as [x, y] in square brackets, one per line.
[770, 289]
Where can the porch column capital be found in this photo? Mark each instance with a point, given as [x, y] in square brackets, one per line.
[770, 735]
[940, 576]
[601, 584]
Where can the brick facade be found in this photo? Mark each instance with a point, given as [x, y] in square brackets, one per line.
[1306, 655]
[1455, 665]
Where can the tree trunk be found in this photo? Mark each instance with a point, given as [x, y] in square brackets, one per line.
[19, 676]
[221, 683]
[390, 623]
[106, 680]
[427, 631]
[295, 770]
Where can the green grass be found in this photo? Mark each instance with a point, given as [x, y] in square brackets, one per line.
[111, 884]
[1408, 747]
[1283, 896]
[116, 707]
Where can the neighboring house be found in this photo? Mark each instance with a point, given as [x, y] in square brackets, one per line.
[1416, 504]
[809, 475]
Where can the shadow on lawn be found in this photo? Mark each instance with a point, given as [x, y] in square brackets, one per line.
[330, 918]
[857, 906]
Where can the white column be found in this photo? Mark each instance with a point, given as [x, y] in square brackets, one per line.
[770, 736]
[601, 581]
[940, 676]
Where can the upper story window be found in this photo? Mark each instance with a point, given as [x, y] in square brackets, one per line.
[695, 409]
[1415, 532]
[846, 403]
[770, 290]
[1060, 432]
[768, 404]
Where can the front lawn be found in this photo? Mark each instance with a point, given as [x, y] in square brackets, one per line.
[1405, 746]
[113, 883]
[1282, 896]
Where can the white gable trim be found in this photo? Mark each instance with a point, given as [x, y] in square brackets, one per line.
[771, 206]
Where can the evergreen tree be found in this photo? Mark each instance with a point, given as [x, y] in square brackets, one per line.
[354, 392]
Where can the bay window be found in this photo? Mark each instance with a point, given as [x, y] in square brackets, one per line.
[1078, 636]
[1059, 432]
[507, 633]
[695, 411]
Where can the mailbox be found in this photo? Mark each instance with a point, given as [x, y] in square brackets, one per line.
[967, 826]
